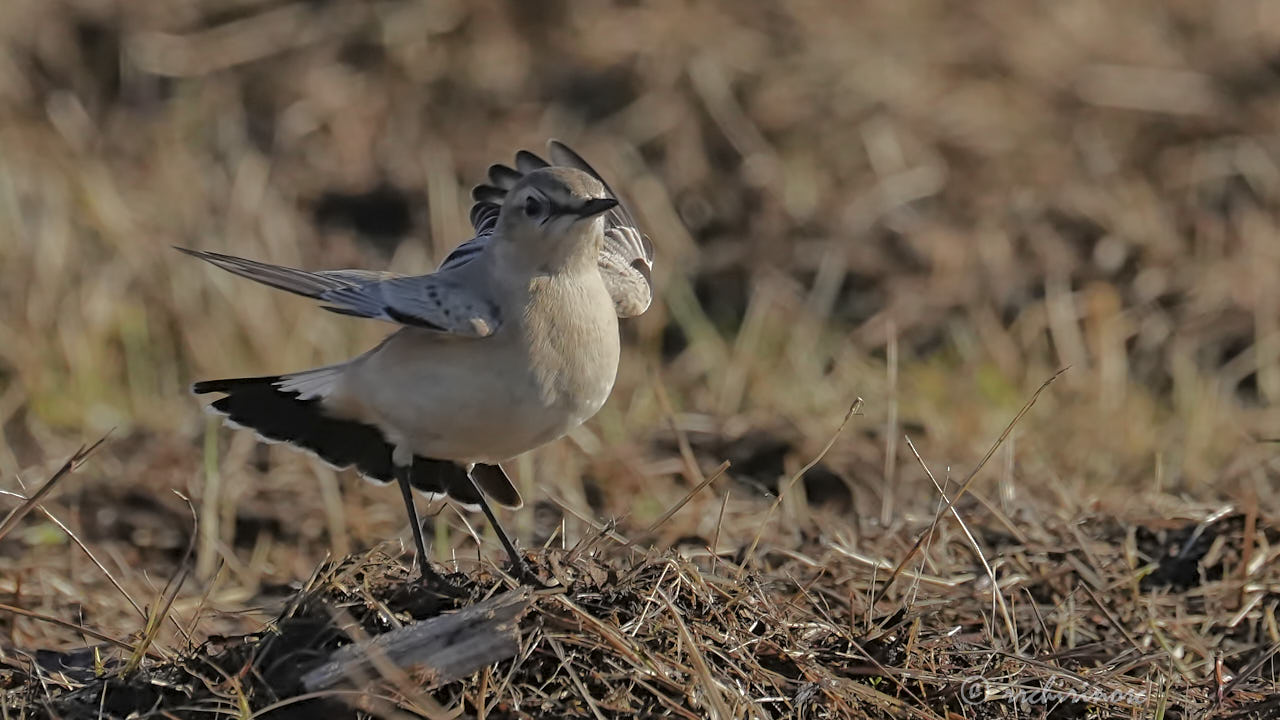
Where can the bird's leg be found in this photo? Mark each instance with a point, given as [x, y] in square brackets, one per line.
[429, 574]
[406, 490]
[519, 566]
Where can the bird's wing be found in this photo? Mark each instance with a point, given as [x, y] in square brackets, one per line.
[436, 302]
[626, 261]
[301, 282]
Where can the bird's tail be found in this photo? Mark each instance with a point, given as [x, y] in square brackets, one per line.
[288, 408]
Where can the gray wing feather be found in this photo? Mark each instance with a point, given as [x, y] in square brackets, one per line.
[626, 264]
[466, 252]
[424, 301]
[626, 261]
[300, 282]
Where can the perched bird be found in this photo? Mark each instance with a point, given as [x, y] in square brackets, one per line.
[510, 344]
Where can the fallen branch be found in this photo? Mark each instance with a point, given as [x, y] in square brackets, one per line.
[445, 648]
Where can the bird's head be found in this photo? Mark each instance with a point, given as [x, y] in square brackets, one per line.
[551, 217]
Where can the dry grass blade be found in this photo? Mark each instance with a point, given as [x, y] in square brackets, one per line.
[354, 696]
[611, 635]
[715, 539]
[973, 542]
[69, 625]
[711, 690]
[891, 427]
[653, 527]
[573, 676]
[156, 618]
[605, 530]
[782, 490]
[76, 459]
[1247, 672]
[964, 486]
[89, 553]
[1111, 617]
[166, 597]
[691, 469]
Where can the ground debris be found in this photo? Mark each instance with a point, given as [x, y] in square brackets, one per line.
[691, 635]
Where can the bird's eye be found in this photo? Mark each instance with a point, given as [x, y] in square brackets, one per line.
[532, 207]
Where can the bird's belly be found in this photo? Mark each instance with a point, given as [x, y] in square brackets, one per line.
[497, 428]
[494, 426]
[489, 408]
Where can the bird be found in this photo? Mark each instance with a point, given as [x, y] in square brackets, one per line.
[511, 343]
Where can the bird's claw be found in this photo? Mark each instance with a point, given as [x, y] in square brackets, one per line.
[436, 582]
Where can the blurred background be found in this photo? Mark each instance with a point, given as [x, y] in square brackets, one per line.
[932, 206]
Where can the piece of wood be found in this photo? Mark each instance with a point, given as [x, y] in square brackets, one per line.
[445, 648]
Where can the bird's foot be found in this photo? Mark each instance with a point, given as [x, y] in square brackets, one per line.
[523, 572]
[434, 581]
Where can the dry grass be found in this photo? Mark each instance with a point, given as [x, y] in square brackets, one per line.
[792, 633]
[927, 205]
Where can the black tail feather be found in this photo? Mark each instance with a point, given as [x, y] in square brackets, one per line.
[448, 478]
[493, 481]
[259, 404]
[276, 414]
[442, 477]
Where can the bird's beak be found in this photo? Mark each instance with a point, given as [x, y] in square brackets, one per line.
[594, 207]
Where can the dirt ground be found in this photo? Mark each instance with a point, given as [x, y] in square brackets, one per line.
[919, 210]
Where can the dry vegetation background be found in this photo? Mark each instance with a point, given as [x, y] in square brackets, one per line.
[929, 205]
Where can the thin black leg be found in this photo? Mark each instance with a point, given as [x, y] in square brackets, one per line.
[520, 567]
[406, 490]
